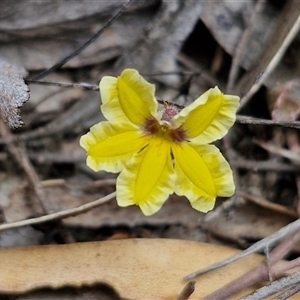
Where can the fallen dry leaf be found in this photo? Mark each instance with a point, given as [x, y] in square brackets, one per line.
[136, 268]
[287, 103]
[14, 92]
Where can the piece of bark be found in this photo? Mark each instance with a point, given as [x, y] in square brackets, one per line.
[13, 93]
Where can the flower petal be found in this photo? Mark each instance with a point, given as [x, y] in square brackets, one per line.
[128, 98]
[209, 117]
[202, 175]
[148, 179]
[109, 147]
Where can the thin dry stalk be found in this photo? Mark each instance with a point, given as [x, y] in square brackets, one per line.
[257, 247]
[264, 271]
[61, 214]
[20, 155]
[272, 64]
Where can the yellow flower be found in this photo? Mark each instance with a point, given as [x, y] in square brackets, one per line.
[161, 152]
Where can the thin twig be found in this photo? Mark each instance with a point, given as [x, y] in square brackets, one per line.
[293, 144]
[99, 184]
[259, 246]
[239, 118]
[257, 121]
[259, 273]
[287, 266]
[275, 287]
[288, 293]
[269, 263]
[269, 205]
[228, 205]
[86, 44]
[20, 155]
[82, 85]
[268, 165]
[187, 291]
[95, 87]
[61, 214]
[292, 155]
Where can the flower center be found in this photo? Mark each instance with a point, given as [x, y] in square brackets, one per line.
[163, 128]
[164, 131]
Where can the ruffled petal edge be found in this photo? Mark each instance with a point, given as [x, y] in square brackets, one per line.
[109, 147]
[148, 178]
[128, 98]
[209, 117]
[221, 174]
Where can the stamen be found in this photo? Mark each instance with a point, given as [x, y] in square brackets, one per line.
[170, 111]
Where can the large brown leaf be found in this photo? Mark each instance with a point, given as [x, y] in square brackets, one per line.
[137, 269]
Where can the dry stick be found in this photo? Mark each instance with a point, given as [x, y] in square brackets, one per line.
[283, 268]
[288, 265]
[64, 122]
[239, 119]
[53, 182]
[47, 130]
[269, 205]
[95, 87]
[21, 157]
[273, 63]
[228, 205]
[294, 145]
[268, 165]
[288, 293]
[61, 214]
[292, 155]
[275, 287]
[241, 48]
[23, 160]
[256, 121]
[187, 291]
[259, 273]
[76, 156]
[84, 86]
[269, 263]
[99, 184]
[86, 44]
[259, 246]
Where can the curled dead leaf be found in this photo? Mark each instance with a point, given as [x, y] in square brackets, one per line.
[14, 92]
[287, 103]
